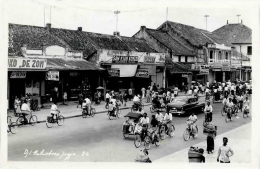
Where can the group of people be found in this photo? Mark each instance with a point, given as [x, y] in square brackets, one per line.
[22, 106]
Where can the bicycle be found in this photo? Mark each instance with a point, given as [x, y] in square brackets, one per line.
[246, 112]
[224, 110]
[139, 138]
[163, 131]
[92, 112]
[12, 127]
[29, 119]
[234, 110]
[50, 120]
[116, 113]
[228, 114]
[188, 131]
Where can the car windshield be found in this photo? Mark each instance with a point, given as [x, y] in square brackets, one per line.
[180, 99]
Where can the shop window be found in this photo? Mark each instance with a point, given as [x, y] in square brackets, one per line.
[211, 54]
[219, 55]
[249, 50]
[179, 58]
[32, 88]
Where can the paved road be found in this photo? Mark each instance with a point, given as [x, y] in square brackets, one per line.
[100, 139]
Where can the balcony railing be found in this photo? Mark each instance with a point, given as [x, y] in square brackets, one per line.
[219, 61]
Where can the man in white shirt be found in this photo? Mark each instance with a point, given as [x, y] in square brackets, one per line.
[88, 103]
[54, 109]
[25, 110]
[168, 119]
[193, 118]
[107, 99]
[207, 83]
[113, 100]
[159, 116]
[224, 152]
[208, 112]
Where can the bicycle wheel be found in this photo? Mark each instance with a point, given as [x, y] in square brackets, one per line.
[147, 142]
[186, 134]
[222, 112]
[226, 118]
[171, 131]
[60, 120]
[137, 141]
[156, 141]
[13, 127]
[162, 133]
[235, 111]
[33, 120]
[49, 122]
[84, 115]
[93, 112]
[20, 121]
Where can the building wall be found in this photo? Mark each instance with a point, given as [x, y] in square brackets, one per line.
[243, 49]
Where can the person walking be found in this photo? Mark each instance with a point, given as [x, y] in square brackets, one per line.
[224, 152]
[107, 99]
[143, 92]
[130, 93]
[155, 88]
[17, 106]
[80, 99]
[210, 137]
[148, 95]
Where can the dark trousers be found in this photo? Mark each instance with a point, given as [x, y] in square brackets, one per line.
[210, 143]
[107, 101]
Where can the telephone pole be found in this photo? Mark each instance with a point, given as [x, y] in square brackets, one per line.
[206, 16]
[116, 12]
[238, 17]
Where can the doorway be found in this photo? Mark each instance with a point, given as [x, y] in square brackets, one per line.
[17, 88]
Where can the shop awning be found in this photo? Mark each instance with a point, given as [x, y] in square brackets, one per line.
[126, 70]
[70, 64]
[175, 68]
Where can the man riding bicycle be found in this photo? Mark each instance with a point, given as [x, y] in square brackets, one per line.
[229, 105]
[192, 123]
[144, 122]
[246, 104]
[25, 110]
[167, 119]
[54, 110]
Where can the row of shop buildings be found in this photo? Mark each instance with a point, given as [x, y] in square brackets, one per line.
[44, 59]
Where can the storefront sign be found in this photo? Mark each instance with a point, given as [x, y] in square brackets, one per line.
[125, 59]
[204, 66]
[225, 68]
[149, 59]
[204, 71]
[21, 74]
[21, 63]
[114, 72]
[52, 75]
[216, 70]
[142, 73]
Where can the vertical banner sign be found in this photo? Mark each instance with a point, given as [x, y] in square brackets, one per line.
[52, 75]
[142, 73]
[114, 72]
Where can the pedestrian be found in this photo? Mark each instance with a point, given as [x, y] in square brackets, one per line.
[17, 106]
[207, 84]
[96, 97]
[148, 95]
[224, 152]
[120, 97]
[107, 99]
[80, 99]
[143, 92]
[210, 137]
[99, 96]
[130, 93]
[155, 88]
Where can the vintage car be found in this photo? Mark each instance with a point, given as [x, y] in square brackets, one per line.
[186, 105]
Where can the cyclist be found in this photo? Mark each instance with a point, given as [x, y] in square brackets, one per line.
[240, 101]
[111, 108]
[225, 100]
[208, 112]
[54, 110]
[25, 109]
[229, 107]
[168, 119]
[85, 106]
[234, 100]
[144, 122]
[193, 119]
[156, 102]
[154, 127]
[137, 101]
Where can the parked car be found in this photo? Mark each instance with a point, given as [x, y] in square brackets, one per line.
[185, 105]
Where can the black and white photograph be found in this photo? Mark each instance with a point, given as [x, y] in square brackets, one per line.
[130, 81]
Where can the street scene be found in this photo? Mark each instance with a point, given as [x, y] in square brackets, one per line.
[160, 90]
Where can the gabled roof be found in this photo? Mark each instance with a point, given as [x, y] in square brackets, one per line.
[176, 47]
[136, 44]
[189, 33]
[234, 33]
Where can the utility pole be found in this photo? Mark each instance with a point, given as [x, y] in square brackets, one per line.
[50, 14]
[206, 16]
[44, 17]
[116, 12]
[241, 65]
[238, 18]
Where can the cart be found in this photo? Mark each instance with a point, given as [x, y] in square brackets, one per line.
[129, 127]
[195, 155]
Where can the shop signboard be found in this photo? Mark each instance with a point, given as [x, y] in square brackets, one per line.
[149, 59]
[52, 75]
[125, 59]
[225, 68]
[204, 71]
[114, 72]
[22, 63]
[142, 73]
[18, 75]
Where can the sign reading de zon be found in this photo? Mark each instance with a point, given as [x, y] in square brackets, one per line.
[27, 63]
[142, 73]
[114, 72]
[52, 75]
[125, 59]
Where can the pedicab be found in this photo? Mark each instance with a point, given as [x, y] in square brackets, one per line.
[195, 155]
[129, 126]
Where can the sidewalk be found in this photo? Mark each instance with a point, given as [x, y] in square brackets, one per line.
[71, 109]
[239, 141]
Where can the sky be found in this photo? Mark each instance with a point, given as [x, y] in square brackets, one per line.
[98, 16]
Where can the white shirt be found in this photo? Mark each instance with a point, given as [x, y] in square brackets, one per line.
[88, 101]
[107, 96]
[136, 99]
[226, 88]
[145, 120]
[25, 107]
[215, 90]
[207, 90]
[113, 101]
[208, 108]
[230, 104]
[167, 117]
[223, 84]
[225, 153]
[159, 117]
[54, 108]
[193, 118]
[207, 84]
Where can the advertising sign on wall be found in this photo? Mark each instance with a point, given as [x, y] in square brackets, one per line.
[52, 75]
[125, 59]
[149, 59]
[114, 72]
[21, 74]
[21, 63]
[142, 73]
